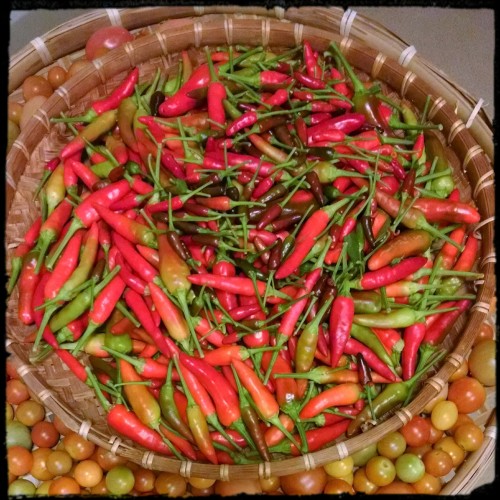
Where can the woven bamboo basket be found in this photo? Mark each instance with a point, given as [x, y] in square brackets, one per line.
[372, 50]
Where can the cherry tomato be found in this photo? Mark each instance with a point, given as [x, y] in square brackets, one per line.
[270, 484]
[416, 432]
[482, 362]
[396, 488]
[120, 480]
[64, 486]
[108, 460]
[39, 468]
[105, 39]
[310, 482]
[461, 371]
[59, 463]
[17, 434]
[340, 468]
[88, 473]
[380, 471]
[336, 486]
[486, 331]
[16, 392]
[437, 462]
[30, 412]
[449, 445]
[43, 488]
[392, 445]
[60, 426]
[21, 487]
[362, 484]
[44, 434]
[200, 482]
[19, 460]
[409, 468]
[57, 76]
[444, 414]
[75, 67]
[170, 484]
[469, 436]
[78, 447]
[428, 485]
[202, 492]
[462, 418]
[468, 394]
[435, 435]
[35, 85]
[100, 488]
[361, 457]
[144, 480]
[14, 112]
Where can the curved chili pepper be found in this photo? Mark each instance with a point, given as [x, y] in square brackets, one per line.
[412, 336]
[440, 327]
[341, 317]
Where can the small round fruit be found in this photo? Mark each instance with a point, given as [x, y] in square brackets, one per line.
[416, 432]
[57, 76]
[486, 331]
[35, 85]
[396, 488]
[21, 487]
[460, 372]
[17, 434]
[44, 434]
[19, 460]
[468, 394]
[64, 486]
[444, 414]
[14, 111]
[428, 485]
[310, 482]
[440, 396]
[449, 445]
[362, 484]
[78, 447]
[144, 480]
[392, 445]
[361, 457]
[437, 462]
[88, 473]
[409, 468]
[482, 362]
[39, 468]
[16, 391]
[469, 436]
[30, 412]
[380, 471]
[339, 468]
[268, 485]
[59, 463]
[336, 486]
[120, 480]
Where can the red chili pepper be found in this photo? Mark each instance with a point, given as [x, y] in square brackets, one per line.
[468, 257]
[311, 61]
[339, 395]
[136, 303]
[85, 214]
[286, 388]
[64, 267]
[28, 281]
[387, 275]
[124, 90]
[204, 330]
[279, 98]
[341, 316]
[374, 362]
[412, 336]
[444, 211]
[305, 240]
[216, 113]
[87, 176]
[129, 278]
[138, 264]
[440, 327]
[224, 268]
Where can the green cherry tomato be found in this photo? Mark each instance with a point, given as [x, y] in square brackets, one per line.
[21, 487]
[120, 480]
[362, 456]
[482, 362]
[392, 445]
[18, 435]
[409, 468]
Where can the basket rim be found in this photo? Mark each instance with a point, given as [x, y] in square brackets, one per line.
[394, 422]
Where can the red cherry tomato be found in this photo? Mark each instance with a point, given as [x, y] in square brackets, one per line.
[105, 39]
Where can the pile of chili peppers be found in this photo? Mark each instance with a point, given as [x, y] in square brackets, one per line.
[249, 259]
